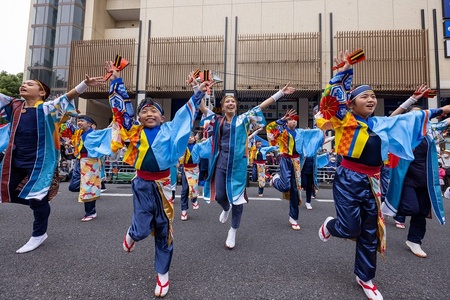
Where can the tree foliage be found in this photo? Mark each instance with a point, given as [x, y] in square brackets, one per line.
[10, 84]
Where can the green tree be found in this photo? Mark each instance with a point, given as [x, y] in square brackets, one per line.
[10, 84]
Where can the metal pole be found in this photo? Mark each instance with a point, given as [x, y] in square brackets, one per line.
[436, 59]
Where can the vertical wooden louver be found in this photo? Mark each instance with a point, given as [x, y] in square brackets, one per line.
[170, 59]
[396, 60]
[266, 61]
[89, 57]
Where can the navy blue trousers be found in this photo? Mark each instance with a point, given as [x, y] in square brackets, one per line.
[149, 214]
[41, 208]
[286, 183]
[415, 202]
[184, 197]
[222, 199]
[357, 212]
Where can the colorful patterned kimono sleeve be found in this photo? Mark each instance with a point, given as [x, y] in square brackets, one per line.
[124, 125]
[273, 130]
[59, 108]
[333, 105]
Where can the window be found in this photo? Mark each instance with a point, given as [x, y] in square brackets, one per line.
[78, 16]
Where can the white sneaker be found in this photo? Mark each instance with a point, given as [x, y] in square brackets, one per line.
[416, 249]
[231, 238]
[370, 289]
[308, 205]
[33, 243]
[184, 215]
[324, 234]
[224, 215]
[161, 289]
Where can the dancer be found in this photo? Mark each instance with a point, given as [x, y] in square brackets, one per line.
[295, 145]
[419, 193]
[227, 151]
[364, 143]
[154, 148]
[189, 179]
[86, 175]
[28, 169]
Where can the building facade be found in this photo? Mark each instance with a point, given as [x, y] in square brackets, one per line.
[257, 46]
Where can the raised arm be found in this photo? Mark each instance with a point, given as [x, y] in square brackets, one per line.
[286, 90]
[418, 93]
[84, 85]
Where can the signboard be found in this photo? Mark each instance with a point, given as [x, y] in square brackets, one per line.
[446, 9]
[447, 28]
[447, 48]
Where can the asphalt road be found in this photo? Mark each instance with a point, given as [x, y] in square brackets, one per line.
[270, 260]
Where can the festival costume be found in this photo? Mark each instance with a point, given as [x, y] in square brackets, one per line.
[227, 150]
[294, 146]
[36, 182]
[258, 160]
[189, 178]
[90, 147]
[358, 212]
[418, 194]
[152, 151]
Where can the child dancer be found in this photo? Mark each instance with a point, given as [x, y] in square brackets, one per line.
[154, 148]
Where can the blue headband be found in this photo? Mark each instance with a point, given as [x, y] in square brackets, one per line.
[359, 90]
[148, 103]
[87, 119]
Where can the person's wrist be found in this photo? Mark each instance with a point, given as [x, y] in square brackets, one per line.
[81, 87]
[278, 95]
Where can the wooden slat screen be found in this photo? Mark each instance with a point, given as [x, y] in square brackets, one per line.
[396, 60]
[170, 59]
[89, 57]
[267, 61]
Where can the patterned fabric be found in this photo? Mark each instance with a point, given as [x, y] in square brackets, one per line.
[279, 136]
[50, 114]
[171, 140]
[381, 232]
[90, 180]
[192, 179]
[165, 191]
[261, 171]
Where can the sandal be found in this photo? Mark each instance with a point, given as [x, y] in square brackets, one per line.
[161, 290]
[399, 225]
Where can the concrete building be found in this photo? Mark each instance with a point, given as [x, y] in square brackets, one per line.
[257, 46]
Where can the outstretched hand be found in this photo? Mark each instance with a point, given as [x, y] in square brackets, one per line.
[289, 113]
[191, 79]
[109, 68]
[420, 91]
[94, 81]
[342, 58]
[205, 85]
[287, 89]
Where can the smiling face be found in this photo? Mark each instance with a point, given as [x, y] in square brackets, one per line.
[364, 104]
[30, 90]
[229, 105]
[150, 117]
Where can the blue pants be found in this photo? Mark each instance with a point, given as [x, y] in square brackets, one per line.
[149, 214]
[357, 212]
[184, 198]
[41, 208]
[222, 199]
[415, 202]
[286, 183]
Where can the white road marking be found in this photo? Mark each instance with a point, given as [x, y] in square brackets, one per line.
[201, 197]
